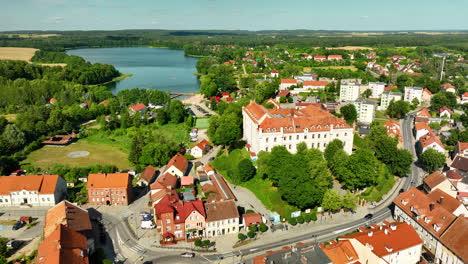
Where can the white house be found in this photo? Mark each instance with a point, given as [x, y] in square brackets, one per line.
[200, 148]
[349, 92]
[38, 190]
[222, 218]
[365, 110]
[274, 73]
[266, 128]
[377, 89]
[422, 129]
[431, 141]
[412, 93]
[314, 85]
[286, 83]
[390, 243]
[464, 98]
[177, 166]
[448, 87]
[445, 112]
[388, 97]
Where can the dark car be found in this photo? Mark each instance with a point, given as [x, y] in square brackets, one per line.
[18, 225]
[211, 159]
[402, 190]
[368, 216]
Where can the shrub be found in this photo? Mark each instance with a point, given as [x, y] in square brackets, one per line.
[300, 219]
[313, 217]
[241, 236]
[198, 242]
[307, 218]
[293, 221]
[253, 228]
[263, 228]
[251, 234]
[206, 243]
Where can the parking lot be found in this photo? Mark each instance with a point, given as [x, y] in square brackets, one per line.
[198, 111]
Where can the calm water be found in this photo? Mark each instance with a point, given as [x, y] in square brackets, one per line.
[161, 69]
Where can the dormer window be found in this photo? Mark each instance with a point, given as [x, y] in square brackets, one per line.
[404, 202]
[426, 220]
[318, 127]
[268, 130]
[274, 129]
[436, 227]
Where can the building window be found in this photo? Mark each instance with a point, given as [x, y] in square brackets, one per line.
[266, 140]
[318, 136]
[274, 139]
[305, 137]
[289, 146]
[168, 221]
[290, 137]
[345, 134]
[313, 135]
[325, 136]
[266, 149]
[318, 145]
[297, 137]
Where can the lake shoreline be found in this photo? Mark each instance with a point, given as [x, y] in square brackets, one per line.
[121, 77]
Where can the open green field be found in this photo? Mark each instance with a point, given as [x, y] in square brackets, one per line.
[202, 123]
[99, 153]
[262, 188]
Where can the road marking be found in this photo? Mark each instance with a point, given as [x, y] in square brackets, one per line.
[205, 258]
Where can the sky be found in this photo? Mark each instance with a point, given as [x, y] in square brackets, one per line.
[234, 14]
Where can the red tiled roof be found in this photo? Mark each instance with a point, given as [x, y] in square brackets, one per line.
[67, 214]
[44, 184]
[293, 81]
[429, 139]
[427, 91]
[315, 83]
[110, 180]
[456, 238]
[148, 173]
[320, 57]
[203, 144]
[423, 113]
[446, 86]
[415, 203]
[252, 218]
[460, 163]
[341, 252]
[186, 180]
[434, 179]
[283, 93]
[421, 126]
[221, 210]
[453, 175]
[64, 245]
[138, 107]
[445, 108]
[447, 201]
[387, 241]
[164, 180]
[178, 161]
[274, 71]
[225, 94]
[335, 56]
[465, 95]
[462, 146]
[105, 102]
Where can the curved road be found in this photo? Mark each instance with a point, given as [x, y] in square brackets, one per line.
[381, 212]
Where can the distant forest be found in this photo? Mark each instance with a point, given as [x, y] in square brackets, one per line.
[190, 39]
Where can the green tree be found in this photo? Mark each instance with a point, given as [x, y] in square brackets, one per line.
[398, 109]
[442, 99]
[432, 160]
[241, 236]
[246, 170]
[136, 148]
[13, 137]
[349, 201]
[332, 148]
[251, 234]
[332, 201]
[262, 227]
[367, 93]
[198, 242]
[293, 221]
[206, 243]
[228, 130]
[300, 219]
[177, 112]
[56, 119]
[349, 113]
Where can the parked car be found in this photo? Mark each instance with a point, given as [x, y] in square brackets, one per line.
[211, 159]
[18, 225]
[368, 216]
[187, 255]
[13, 244]
[147, 225]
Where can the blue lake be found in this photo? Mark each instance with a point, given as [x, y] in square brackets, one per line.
[161, 69]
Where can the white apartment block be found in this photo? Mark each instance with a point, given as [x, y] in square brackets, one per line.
[412, 93]
[388, 97]
[39, 190]
[365, 110]
[377, 89]
[349, 92]
[267, 128]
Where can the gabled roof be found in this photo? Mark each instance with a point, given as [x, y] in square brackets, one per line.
[43, 184]
[388, 239]
[68, 214]
[221, 210]
[462, 146]
[315, 83]
[446, 86]
[164, 181]
[460, 163]
[453, 175]
[63, 245]
[456, 238]
[178, 161]
[421, 126]
[341, 252]
[447, 201]
[423, 113]
[429, 139]
[148, 173]
[434, 179]
[252, 218]
[427, 91]
[186, 180]
[283, 93]
[109, 180]
[292, 81]
[138, 107]
[203, 144]
[445, 108]
[465, 95]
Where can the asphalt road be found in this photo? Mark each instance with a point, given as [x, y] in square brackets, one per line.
[122, 235]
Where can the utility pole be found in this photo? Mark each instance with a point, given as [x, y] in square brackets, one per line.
[442, 70]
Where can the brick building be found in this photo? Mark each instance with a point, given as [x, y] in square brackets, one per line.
[111, 188]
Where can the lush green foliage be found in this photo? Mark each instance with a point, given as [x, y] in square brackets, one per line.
[432, 159]
[349, 113]
[398, 109]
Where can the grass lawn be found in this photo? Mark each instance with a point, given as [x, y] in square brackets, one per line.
[176, 131]
[262, 188]
[202, 123]
[100, 153]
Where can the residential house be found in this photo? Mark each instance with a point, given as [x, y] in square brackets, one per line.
[393, 129]
[147, 176]
[377, 89]
[388, 97]
[464, 99]
[59, 140]
[274, 73]
[283, 93]
[306, 253]
[461, 149]
[200, 149]
[314, 85]
[187, 181]
[63, 245]
[141, 108]
[365, 110]
[437, 180]
[423, 115]
[222, 218]
[305, 77]
[165, 184]
[453, 243]
[335, 57]
[421, 129]
[341, 252]
[110, 188]
[308, 57]
[387, 244]
[320, 58]
[250, 219]
[426, 96]
[37, 190]
[448, 87]
[286, 83]
[445, 112]
[349, 91]
[177, 166]
[431, 141]
[73, 217]
[265, 128]
[412, 93]
[450, 203]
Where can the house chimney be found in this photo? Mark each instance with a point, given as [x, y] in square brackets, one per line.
[386, 231]
[441, 200]
[431, 206]
[370, 233]
[393, 227]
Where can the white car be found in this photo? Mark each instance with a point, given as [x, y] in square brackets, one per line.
[187, 255]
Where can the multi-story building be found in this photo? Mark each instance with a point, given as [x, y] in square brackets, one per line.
[412, 93]
[430, 141]
[267, 128]
[222, 218]
[394, 243]
[286, 83]
[365, 110]
[452, 247]
[38, 190]
[377, 88]
[349, 91]
[111, 188]
[299, 253]
[314, 85]
[388, 97]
